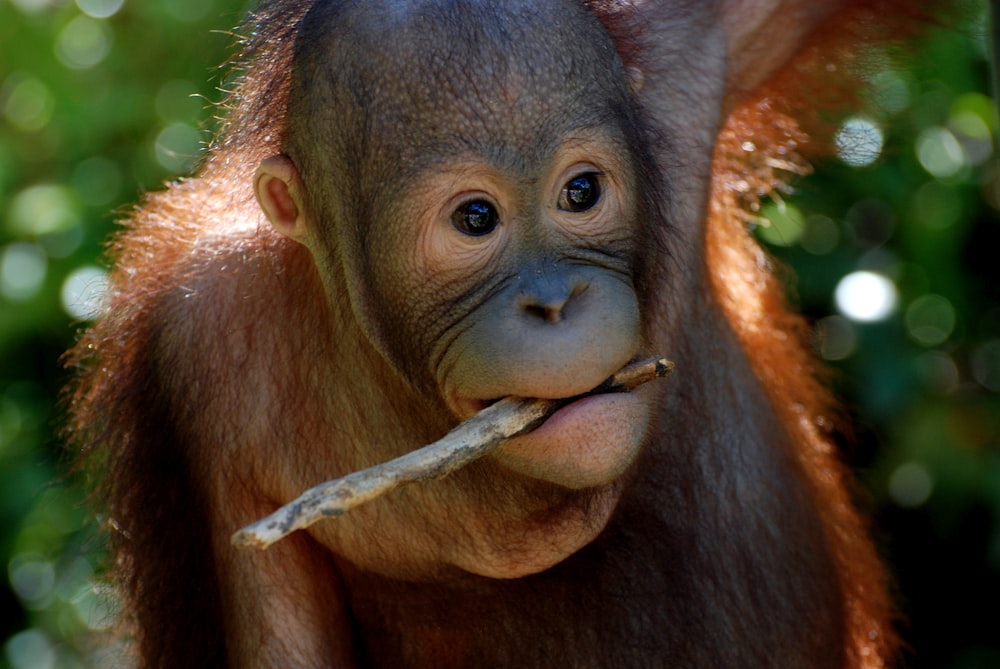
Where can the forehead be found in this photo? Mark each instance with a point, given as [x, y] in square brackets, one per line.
[509, 80]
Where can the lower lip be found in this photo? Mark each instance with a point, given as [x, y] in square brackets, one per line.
[587, 443]
[581, 409]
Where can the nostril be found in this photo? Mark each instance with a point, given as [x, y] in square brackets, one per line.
[549, 305]
[548, 296]
[549, 314]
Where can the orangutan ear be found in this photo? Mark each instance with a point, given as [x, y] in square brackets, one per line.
[280, 193]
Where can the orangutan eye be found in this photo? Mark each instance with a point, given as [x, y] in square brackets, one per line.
[476, 218]
[580, 193]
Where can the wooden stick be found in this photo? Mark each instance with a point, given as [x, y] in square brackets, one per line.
[491, 427]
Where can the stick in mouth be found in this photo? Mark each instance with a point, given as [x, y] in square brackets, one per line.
[470, 440]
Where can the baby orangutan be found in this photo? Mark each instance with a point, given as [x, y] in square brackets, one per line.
[416, 208]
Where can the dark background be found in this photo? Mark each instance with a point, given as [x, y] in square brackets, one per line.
[102, 99]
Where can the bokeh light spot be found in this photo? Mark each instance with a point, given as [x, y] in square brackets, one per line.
[891, 91]
[837, 338]
[32, 577]
[42, 209]
[33, 6]
[96, 606]
[23, 267]
[785, 224]
[974, 136]
[910, 485]
[939, 152]
[865, 296]
[859, 141]
[83, 43]
[83, 292]
[29, 103]
[177, 147]
[937, 371]
[31, 649]
[930, 320]
[100, 9]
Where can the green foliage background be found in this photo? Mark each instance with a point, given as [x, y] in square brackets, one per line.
[103, 99]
